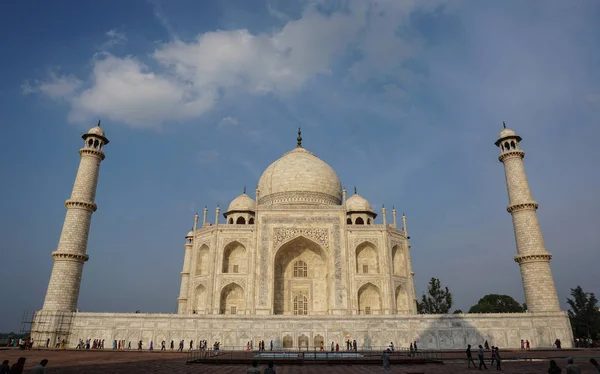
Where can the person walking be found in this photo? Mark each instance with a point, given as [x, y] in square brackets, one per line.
[480, 357]
[469, 357]
[386, 361]
[498, 360]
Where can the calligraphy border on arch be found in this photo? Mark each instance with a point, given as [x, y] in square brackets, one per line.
[335, 240]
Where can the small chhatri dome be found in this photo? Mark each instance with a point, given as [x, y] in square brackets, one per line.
[242, 203]
[299, 177]
[96, 130]
[357, 203]
[507, 133]
[190, 234]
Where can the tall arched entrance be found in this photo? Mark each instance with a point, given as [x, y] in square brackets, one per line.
[301, 279]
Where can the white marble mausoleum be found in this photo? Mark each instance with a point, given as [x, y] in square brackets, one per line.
[299, 263]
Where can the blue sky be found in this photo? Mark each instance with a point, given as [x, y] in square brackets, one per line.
[404, 99]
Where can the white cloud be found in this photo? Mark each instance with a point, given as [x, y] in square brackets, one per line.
[58, 87]
[192, 77]
[229, 121]
[114, 38]
[208, 156]
[123, 89]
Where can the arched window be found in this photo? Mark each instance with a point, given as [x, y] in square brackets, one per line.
[507, 145]
[240, 221]
[300, 305]
[368, 221]
[512, 144]
[300, 269]
[349, 221]
[251, 221]
[359, 221]
[231, 221]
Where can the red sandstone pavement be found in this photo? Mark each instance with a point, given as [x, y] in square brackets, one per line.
[68, 362]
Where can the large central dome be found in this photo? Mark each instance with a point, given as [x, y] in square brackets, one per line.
[299, 177]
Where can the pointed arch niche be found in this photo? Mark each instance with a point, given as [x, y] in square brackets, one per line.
[300, 268]
[369, 299]
[398, 261]
[232, 300]
[234, 258]
[200, 300]
[367, 261]
[401, 300]
[202, 260]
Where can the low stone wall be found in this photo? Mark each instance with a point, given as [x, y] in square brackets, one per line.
[371, 332]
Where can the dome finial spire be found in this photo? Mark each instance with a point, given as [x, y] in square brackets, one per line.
[355, 190]
[244, 189]
[98, 122]
[299, 138]
[504, 124]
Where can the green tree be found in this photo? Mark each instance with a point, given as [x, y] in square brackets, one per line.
[584, 314]
[494, 303]
[457, 311]
[437, 300]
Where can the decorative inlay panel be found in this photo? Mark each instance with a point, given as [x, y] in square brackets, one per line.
[335, 246]
[242, 241]
[281, 235]
[240, 281]
[294, 197]
[204, 242]
[362, 282]
[358, 241]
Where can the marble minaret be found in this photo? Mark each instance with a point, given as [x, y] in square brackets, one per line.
[532, 257]
[69, 257]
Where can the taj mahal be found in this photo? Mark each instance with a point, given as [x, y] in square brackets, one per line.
[301, 263]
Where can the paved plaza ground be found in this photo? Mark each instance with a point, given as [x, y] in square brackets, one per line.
[72, 361]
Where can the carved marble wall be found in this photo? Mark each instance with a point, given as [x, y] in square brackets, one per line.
[374, 331]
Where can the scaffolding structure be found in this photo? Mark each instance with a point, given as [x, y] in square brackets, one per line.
[51, 328]
[26, 324]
